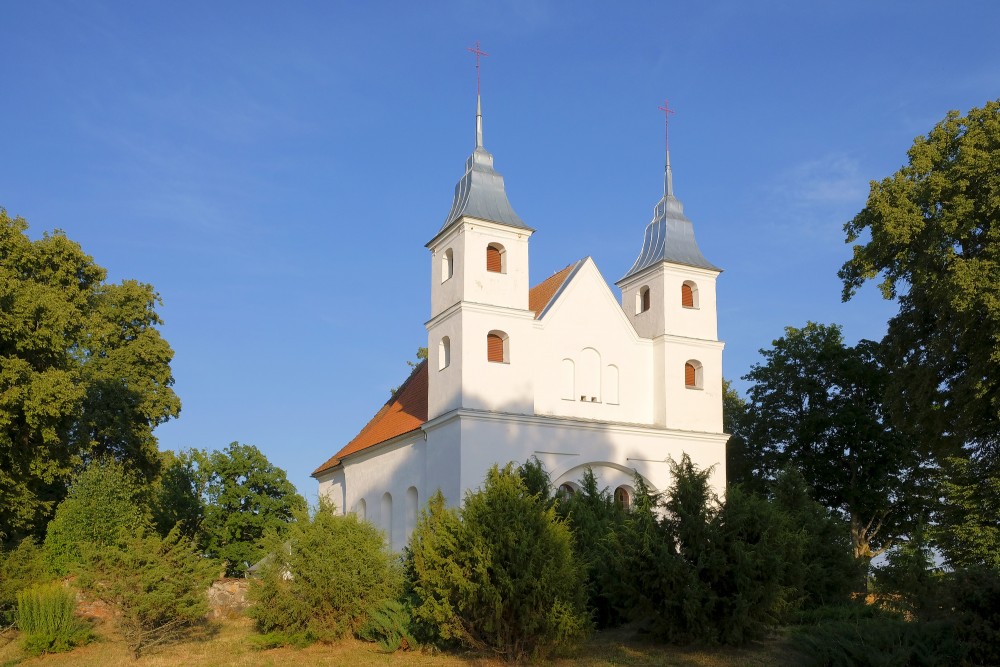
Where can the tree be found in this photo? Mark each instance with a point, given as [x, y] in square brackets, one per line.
[323, 577]
[106, 505]
[740, 461]
[934, 230]
[246, 496]
[816, 405]
[499, 573]
[968, 519]
[179, 494]
[84, 373]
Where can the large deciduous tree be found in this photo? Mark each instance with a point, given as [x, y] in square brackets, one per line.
[816, 405]
[84, 373]
[934, 236]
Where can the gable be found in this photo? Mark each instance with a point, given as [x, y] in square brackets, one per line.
[541, 295]
[585, 298]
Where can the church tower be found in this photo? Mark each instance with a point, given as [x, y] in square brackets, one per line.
[479, 335]
[669, 296]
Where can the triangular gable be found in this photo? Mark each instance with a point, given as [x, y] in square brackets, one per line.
[601, 303]
[405, 412]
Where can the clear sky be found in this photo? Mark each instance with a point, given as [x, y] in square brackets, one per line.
[274, 169]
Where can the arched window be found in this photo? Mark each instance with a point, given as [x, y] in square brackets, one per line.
[497, 347]
[361, 509]
[447, 265]
[692, 375]
[496, 258]
[444, 353]
[689, 295]
[589, 379]
[387, 516]
[411, 510]
[566, 490]
[642, 300]
[611, 385]
[568, 380]
[623, 498]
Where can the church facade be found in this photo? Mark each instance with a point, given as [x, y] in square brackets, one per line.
[561, 371]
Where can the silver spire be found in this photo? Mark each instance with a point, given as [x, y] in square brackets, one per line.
[479, 121]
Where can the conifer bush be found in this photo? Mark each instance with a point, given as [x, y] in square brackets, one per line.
[46, 620]
[499, 574]
[157, 585]
[321, 579]
[20, 568]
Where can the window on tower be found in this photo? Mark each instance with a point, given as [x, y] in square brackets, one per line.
[689, 295]
[497, 347]
[642, 300]
[447, 265]
[496, 258]
[444, 353]
[693, 374]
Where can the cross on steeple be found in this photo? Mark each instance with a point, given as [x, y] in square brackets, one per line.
[479, 105]
[668, 177]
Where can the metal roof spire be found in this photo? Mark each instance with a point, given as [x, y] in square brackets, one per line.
[670, 235]
[480, 192]
[479, 100]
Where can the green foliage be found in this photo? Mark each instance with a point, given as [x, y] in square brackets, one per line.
[178, 495]
[156, 584]
[500, 573]
[907, 578]
[878, 642]
[827, 572]
[934, 237]
[46, 620]
[816, 405]
[84, 373]
[246, 496]
[970, 600]
[703, 572]
[20, 568]
[106, 505]
[593, 514]
[389, 625]
[968, 519]
[536, 479]
[322, 577]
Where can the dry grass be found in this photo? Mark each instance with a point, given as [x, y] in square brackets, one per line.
[230, 644]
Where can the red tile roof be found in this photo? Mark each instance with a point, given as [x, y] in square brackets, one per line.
[407, 410]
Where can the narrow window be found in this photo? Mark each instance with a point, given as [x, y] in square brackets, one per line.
[642, 300]
[692, 375]
[361, 509]
[689, 295]
[568, 370]
[589, 378]
[444, 353]
[623, 498]
[387, 516]
[497, 347]
[411, 510]
[611, 385]
[447, 265]
[495, 258]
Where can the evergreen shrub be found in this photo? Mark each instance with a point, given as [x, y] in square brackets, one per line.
[46, 620]
[321, 579]
[20, 568]
[499, 574]
[157, 585]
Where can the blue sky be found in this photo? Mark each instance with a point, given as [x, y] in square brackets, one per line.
[274, 169]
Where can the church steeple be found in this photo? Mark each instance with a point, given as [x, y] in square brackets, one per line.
[670, 235]
[480, 193]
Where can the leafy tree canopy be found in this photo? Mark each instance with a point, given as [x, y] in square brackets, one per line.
[934, 236]
[84, 373]
[246, 496]
[816, 405]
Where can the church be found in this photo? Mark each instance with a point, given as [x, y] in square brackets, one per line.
[561, 371]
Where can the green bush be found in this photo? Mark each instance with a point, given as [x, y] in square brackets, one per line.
[46, 620]
[389, 626]
[158, 586]
[106, 505]
[500, 573]
[20, 568]
[879, 642]
[319, 581]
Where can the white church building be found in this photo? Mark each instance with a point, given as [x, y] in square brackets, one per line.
[561, 371]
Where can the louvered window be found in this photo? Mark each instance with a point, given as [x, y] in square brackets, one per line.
[687, 296]
[494, 348]
[690, 375]
[494, 258]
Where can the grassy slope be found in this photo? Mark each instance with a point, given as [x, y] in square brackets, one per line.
[230, 645]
